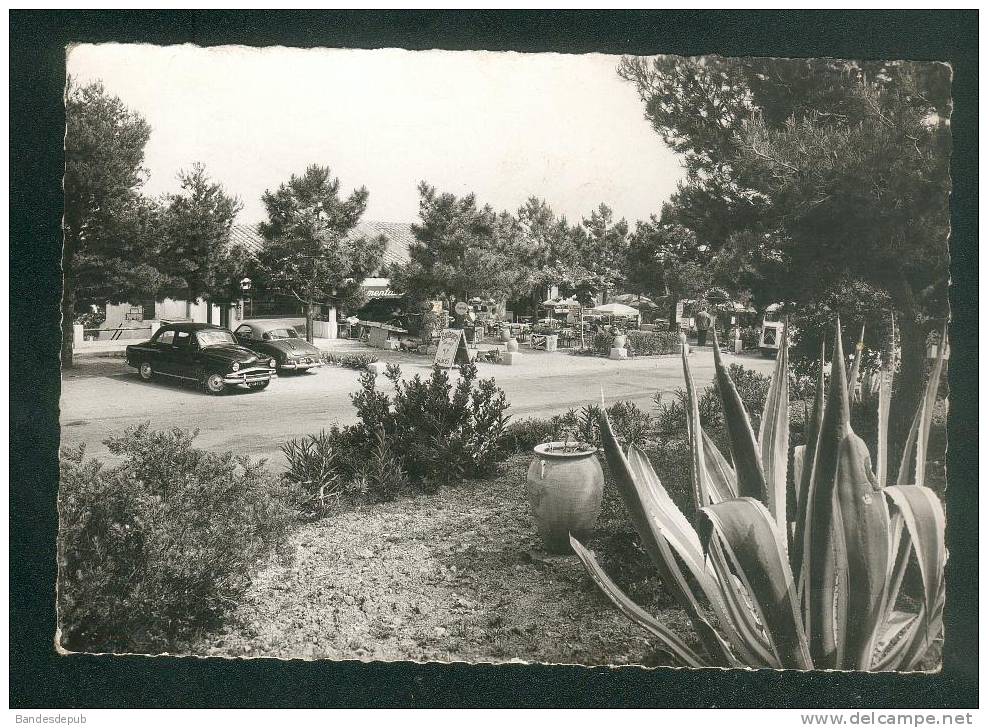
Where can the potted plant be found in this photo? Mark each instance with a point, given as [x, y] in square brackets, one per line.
[565, 489]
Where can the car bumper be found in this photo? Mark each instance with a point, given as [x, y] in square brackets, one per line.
[300, 367]
[249, 376]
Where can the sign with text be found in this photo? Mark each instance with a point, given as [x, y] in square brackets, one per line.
[452, 348]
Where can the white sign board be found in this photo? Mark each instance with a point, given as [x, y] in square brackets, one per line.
[452, 348]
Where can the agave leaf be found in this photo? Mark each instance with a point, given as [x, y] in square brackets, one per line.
[722, 482]
[923, 519]
[773, 435]
[824, 569]
[735, 621]
[865, 521]
[698, 466]
[740, 612]
[898, 634]
[632, 611]
[645, 512]
[671, 520]
[919, 431]
[852, 377]
[755, 549]
[814, 424]
[744, 447]
[885, 376]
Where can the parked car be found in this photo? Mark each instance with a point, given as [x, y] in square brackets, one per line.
[289, 350]
[203, 353]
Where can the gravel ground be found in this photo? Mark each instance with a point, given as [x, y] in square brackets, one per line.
[459, 575]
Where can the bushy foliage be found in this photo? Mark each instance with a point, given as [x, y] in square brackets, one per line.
[442, 432]
[319, 469]
[631, 424]
[645, 343]
[602, 343]
[750, 337]
[349, 361]
[153, 552]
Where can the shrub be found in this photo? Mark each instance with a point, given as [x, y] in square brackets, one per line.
[320, 468]
[153, 552]
[602, 343]
[645, 343]
[523, 435]
[632, 425]
[383, 475]
[750, 337]
[442, 432]
[349, 361]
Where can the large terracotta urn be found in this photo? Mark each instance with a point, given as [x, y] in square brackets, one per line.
[620, 341]
[505, 334]
[565, 488]
[512, 345]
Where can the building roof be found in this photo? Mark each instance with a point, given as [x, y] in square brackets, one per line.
[398, 235]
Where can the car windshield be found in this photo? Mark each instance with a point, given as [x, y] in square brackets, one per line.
[213, 337]
[286, 333]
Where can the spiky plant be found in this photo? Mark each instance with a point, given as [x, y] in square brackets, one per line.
[819, 592]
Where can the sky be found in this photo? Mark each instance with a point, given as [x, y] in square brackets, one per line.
[502, 125]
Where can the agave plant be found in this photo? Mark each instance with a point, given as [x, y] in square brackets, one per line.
[821, 591]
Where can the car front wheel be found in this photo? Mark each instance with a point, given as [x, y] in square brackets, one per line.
[146, 372]
[214, 383]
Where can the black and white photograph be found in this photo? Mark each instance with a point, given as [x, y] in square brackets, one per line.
[495, 357]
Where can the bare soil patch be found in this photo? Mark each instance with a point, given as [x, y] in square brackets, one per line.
[459, 575]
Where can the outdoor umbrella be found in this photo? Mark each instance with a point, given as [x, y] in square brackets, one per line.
[617, 309]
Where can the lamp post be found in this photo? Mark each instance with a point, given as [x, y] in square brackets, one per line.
[245, 286]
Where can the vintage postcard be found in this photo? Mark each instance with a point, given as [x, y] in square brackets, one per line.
[504, 357]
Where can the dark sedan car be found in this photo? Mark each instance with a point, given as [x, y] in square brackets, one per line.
[203, 353]
[291, 352]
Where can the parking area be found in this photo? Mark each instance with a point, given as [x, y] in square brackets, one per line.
[102, 396]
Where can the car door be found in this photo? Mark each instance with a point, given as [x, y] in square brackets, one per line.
[243, 333]
[184, 353]
[163, 355]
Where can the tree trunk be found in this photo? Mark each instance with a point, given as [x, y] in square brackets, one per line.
[308, 322]
[68, 299]
[909, 386]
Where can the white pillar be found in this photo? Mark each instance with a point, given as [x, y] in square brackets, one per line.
[333, 331]
[78, 334]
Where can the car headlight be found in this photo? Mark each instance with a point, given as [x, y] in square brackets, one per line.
[236, 366]
[272, 363]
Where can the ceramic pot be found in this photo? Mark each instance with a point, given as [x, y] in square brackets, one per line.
[620, 341]
[565, 488]
[512, 345]
[505, 333]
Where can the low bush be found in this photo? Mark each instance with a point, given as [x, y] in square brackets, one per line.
[349, 361]
[426, 433]
[632, 425]
[647, 343]
[154, 552]
[750, 337]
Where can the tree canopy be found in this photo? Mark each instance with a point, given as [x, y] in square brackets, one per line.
[463, 250]
[197, 231]
[811, 177]
[311, 251]
[110, 230]
[832, 166]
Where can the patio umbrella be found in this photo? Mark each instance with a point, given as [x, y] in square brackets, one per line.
[617, 309]
[634, 300]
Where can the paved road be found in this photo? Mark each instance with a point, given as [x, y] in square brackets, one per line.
[101, 397]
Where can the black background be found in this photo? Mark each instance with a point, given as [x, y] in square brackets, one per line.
[41, 678]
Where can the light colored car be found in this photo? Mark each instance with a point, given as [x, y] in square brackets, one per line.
[291, 352]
